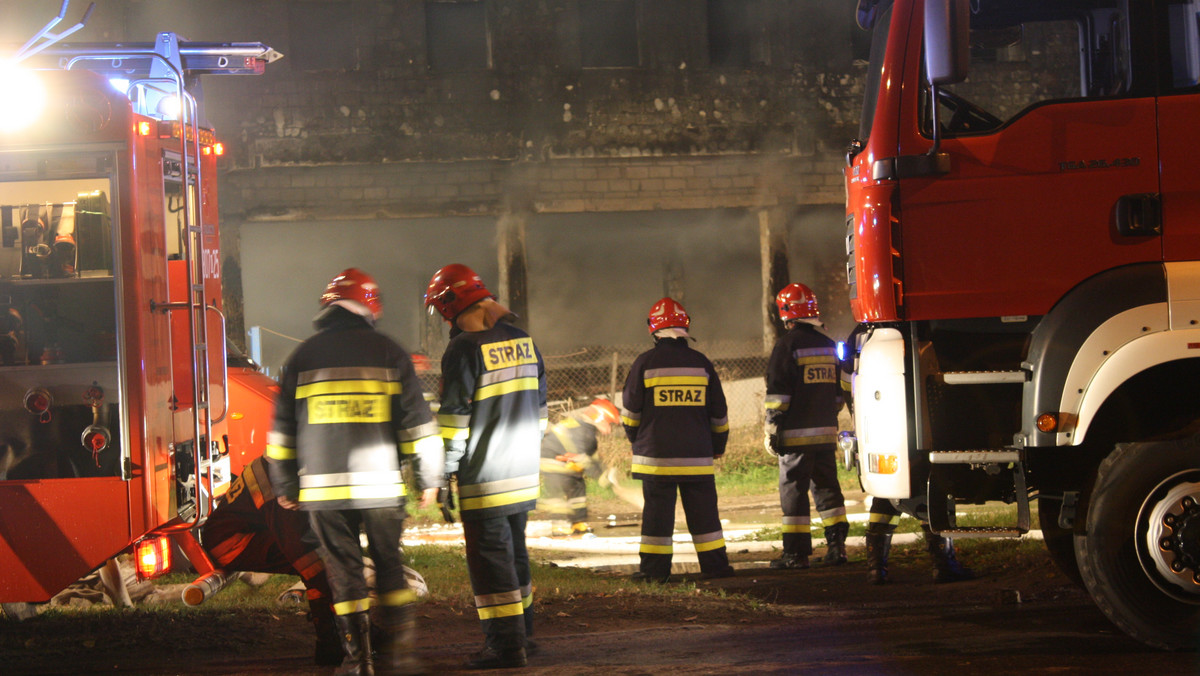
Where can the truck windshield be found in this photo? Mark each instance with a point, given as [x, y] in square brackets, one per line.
[879, 40]
[59, 380]
[1026, 53]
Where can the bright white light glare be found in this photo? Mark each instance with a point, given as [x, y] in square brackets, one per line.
[169, 107]
[22, 97]
[119, 83]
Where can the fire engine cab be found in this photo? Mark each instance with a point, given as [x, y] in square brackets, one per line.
[1023, 239]
[114, 407]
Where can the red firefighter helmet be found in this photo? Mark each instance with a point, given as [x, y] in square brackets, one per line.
[667, 314]
[354, 290]
[605, 411]
[453, 289]
[797, 301]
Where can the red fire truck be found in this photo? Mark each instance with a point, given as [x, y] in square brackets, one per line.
[114, 391]
[1023, 237]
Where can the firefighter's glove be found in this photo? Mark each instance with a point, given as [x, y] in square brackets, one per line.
[771, 444]
[446, 502]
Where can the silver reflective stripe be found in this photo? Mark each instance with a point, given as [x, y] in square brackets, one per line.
[661, 541]
[810, 432]
[665, 372]
[348, 373]
[281, 439]
[814, 352]
[626, 413]
[795, 520]
[429, 429]
[501, 486]
[350, 479]
[709, 537]
[836, 511]
[500, 598]
[510, 373]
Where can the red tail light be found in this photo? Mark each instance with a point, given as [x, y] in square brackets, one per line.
[153, 557]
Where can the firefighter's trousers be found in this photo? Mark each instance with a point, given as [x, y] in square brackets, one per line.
[884, 517]
[703, 521]
[798, 473]
[565, 496]
[338, 531]
[498, 564]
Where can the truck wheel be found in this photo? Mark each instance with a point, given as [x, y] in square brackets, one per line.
[1060, 542]
[1139, 556]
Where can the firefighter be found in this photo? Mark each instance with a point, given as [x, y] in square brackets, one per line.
[493, 415]
[250, 531]
[349, 412]
[802, 403]
[568, 453]
[883, 520]
[676, 419]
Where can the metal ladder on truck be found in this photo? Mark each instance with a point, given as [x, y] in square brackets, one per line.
[946, 465]
[170, 68]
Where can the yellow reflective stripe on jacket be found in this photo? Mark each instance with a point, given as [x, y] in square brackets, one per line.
[499, 499]
[280, 452]
[432, 444]
[672, 471]
[506, 387]
[351, 493]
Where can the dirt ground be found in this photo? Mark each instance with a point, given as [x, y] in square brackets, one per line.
[825, 620]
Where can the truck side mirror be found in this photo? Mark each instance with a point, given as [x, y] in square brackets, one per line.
[947, 41]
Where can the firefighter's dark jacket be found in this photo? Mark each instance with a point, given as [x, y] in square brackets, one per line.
[804, 390]
[674, 413]
[571, 441]
[492, 415]
[349, 411]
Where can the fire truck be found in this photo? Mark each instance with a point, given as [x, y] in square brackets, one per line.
[116, 427]
[1023, 239]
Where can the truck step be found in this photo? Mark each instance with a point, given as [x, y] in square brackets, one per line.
[967, 532]
[977, 457]
[983, 377]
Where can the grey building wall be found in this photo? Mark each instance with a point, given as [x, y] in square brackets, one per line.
[363, 147]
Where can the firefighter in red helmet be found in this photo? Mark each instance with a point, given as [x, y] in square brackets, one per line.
[493, 415]
[568, 453]
[349, 413]
[675, 416]
[803, 399]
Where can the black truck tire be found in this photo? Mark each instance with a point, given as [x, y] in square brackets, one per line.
[1112, 560]
[1060, 542]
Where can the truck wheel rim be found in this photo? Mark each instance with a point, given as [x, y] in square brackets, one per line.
[1168, 536]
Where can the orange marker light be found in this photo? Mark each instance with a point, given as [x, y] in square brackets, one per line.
[219, 149]
[153, 557]
[143, 128]
[1047, 422]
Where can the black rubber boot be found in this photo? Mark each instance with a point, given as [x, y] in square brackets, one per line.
[946, 567]
[398, 652]
[495, 658]
[328, 652]
[879, 545]
[790, 562]
[835, 542]
[354, 630]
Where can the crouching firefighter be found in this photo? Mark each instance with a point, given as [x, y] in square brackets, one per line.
[250, 531]
[350, 411]
[568, 454]
[804, 395]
